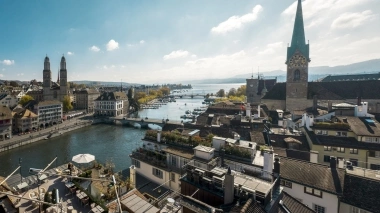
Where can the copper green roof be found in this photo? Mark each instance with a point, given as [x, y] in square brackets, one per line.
[298, 38]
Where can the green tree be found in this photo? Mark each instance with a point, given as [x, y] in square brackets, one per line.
[232, 92]
[67, 104]
[241, 90]
[25, 99]
[165, 91]
[221, 93]
[13, 84]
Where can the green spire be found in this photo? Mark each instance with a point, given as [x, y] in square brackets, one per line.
[298, 38]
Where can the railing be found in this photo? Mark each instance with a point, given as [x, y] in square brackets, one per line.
[142, 155]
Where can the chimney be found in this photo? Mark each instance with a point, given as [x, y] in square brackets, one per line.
[341, 163]
[315, 103]
[258, 111]
[276, 167]
[132, 176]
[268, 163]
[228, 187]
[313, 156]
[333, 162]
[158, 135]
[329, 106]
[359, 103]
[222, 151]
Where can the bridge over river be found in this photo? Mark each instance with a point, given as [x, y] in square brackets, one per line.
[190, 95]
[143, 122]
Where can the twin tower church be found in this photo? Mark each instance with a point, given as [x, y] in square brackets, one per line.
[297, 93]
[55, 90]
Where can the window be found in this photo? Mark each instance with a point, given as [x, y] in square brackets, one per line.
[286, 183]
[319, 209]
[172, 177]
[344, 134]
[338, 134]
[340, 149]
[296, 75]
[157, 173]
[324, 132]
[326, 158]
[377, 154]
[319, 132]
[174, 161]
[357, 210]
[327, 148]
[136, 163]
[353, 151]
[311, 191]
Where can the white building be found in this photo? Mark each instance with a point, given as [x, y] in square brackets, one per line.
[111, 104]
[49, 113]
[10, 100]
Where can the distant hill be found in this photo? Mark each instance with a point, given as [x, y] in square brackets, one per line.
[105, 83]
[315, 73]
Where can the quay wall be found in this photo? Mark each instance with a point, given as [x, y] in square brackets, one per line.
[51, 134]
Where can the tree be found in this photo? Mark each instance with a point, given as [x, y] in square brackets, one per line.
[221, 93]
[130, 93]
[232, 92]
[241, 90]
[67, 104]
[165, 91]
[25, 99]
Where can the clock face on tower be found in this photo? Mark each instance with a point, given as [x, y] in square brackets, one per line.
[297, 61]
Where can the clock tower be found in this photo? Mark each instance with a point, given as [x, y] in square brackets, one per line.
[252, 90]
[297, 61]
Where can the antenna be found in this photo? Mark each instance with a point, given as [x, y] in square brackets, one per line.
[258, 72]
[252, 73]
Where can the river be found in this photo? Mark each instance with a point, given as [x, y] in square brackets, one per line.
[106, 142]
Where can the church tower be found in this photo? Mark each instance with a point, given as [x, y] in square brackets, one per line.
[251, 91]
[46, 76]
[297, 61]
[63, 79]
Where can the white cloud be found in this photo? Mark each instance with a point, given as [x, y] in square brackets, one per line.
[7, 62]
[105, 67]
[193, 56]
[94, 48]
[176, 54]
[142, 42]
[1, 75]
[236, 22]
[352, 20]
[20, 74]
[112, 66]
[275, 45]
[122, 66]
[3, 69]
[112, 45]
[70, 53]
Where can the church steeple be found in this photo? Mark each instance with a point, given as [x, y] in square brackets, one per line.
[58, 77]
[298, 37]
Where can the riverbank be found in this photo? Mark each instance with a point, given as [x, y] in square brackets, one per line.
[15, 142]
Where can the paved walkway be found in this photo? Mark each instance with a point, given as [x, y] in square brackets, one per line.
[63, 126]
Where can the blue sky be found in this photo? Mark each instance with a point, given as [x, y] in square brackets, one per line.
[171, 41]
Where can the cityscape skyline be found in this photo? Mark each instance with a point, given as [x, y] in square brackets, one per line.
[172, 40]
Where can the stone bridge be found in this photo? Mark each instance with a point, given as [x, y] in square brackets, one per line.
[143, 122]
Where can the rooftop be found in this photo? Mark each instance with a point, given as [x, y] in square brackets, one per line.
[179, 152]
[363, 126]
[204, 148]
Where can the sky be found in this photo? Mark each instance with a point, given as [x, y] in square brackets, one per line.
[171, 41]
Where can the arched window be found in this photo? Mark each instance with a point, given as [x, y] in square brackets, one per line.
[296, 75]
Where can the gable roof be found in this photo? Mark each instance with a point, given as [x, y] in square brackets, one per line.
[312, 175]
[5, 113]
[112, 96]
[23, 113]
[293, 205]
[361, 192]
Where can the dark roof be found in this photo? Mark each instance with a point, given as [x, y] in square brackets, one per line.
[340, 90]
[363, 126]
[293, 205]
[361, 192]
[347, 142]
[144, 185]
[112, 96]
[278, 92]
[357, 77]
[250, 206]
[313, 175]
[292, 153]
[280, 141]
[86, 91]
[269, 84]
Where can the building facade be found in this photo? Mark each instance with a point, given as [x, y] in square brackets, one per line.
[5, 123]
[111, 104]
[49, 113]
[85, 100]
[24, 120]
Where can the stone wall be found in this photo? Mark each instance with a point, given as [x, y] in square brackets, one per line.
[298, 104]
[274, 104]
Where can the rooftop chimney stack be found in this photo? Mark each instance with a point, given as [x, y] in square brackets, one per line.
[313, 156]
[228, 187]
[359, 101]
[268, 163]
[158, 135]
[333, 162]
[276, 167]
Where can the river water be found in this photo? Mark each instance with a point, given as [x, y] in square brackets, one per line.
[107, 142]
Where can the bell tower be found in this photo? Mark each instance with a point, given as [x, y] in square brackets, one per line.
[63, 78]
[46, 76]
[297, 61]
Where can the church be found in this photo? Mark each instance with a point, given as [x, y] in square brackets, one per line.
[55, 90]
[297, 93]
